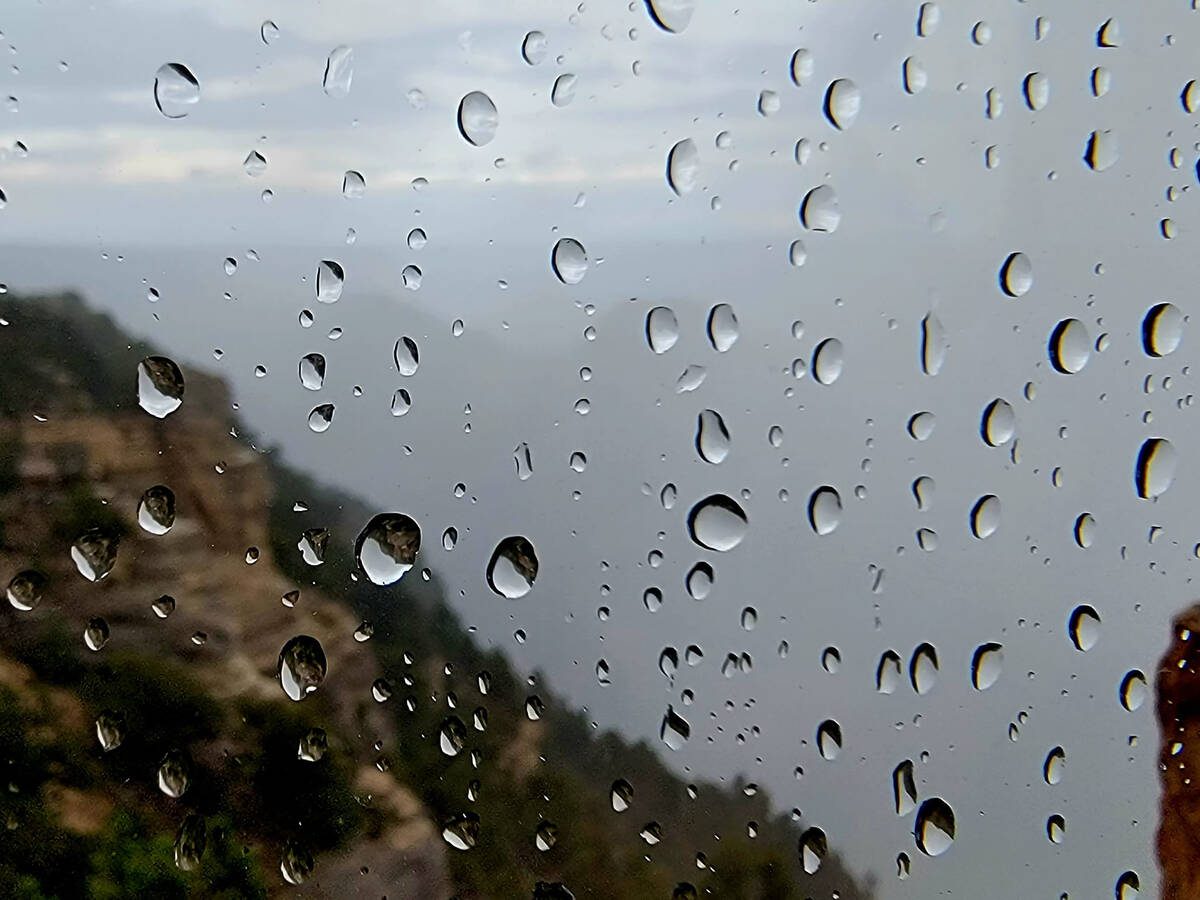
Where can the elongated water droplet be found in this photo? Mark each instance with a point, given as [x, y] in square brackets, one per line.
[802, 66]
[671, 15]
[814, 847]
[1085, 526]
[159, 386]
[312, 371]
[1036, 89]
[922, 489]
[923, 669]
[690, 379]
[176, 90]
[717, 523]
[1162, 329]
[523, 459]
[1101, 151]
[986, 665]
[534, 47]
[668, 661]
[843, 102]
[699, 580]
[156, 509]
[904, 788]
[462, 831]
[662, 329]
[829, 739]
[339, 71]
[985, 516]
[562, 92]
[387, 547]
[513, 567]
[933, 344]
[452, 736]
[674, 730]
[569, 260]
[722, 327]
[95, 552]
[827, 361]
[190, 841]
[914, 76]
[174, 773]
[321, 418]
[1055, 766]
[477, 118]
[1128, 886]
[824, 510]
[1109, 34]
[621, 795]
[1133, 690]
[301, 666]
[712, 437]
[354, 186]
[921, 426]
[331, 277]
[401, 402]
[928, 17]
[1155, 469]
[24, 591]
[110, 730]
[819, 210]
[1016, 275]
[1084, 627]
[313, 745]
[1101, 81]
[268, 31]
[998, 424]
[683, 166]
[935, 827]
[887, 673]
[95, 634]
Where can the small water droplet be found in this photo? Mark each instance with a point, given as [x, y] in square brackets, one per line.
[985, 516]
[1133, 691]
[321, 418]
[313, 745]
[562, 92]
[330, 279]
[1054, 766]
[269, 31]
[923, 669]
[95, 634]
[824, 510]
[95, 552]
[921, 426]
[301, 666]
[829, 739]
[914, 76]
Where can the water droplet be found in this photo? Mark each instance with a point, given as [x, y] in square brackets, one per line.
[95, 552]
[652, 833]
[674, 730]
[524, 461]
[921, 426]
[1016, 275]
[922, 489]
[671, 15]
[923, 669]
[699, 580]
[914, 76]
[354, 186]
[301, 666]
[156, 509]
[462, 831]
[683, 166]
[712, 437]
[819, 210]
[928, 17]
[163, 606]
[998, 424]
[313, 746]
[1084, 530]
[452, 736]
[1070, 347]
[813, 849]
[176, 90]
[339, 71]
[1155, 469]
[174, 773]
[797, 253]
[268, 32]
[1101, 151]
[190, 841]
[546, 836]
[296, 864]
[563, 90]
[330, 279]
[986, 665]
[254, 164]
[1133, 690]
[477, 118]
[662, 329]
[321, 418]
[569, 260]
[534, 48]
[513, 567]
[381, 690]
[927, 539]
[621, 795]
[1162, 329]
[1128, 886]
[829, 739]
[722, 327]
[717, 523]
[904, 788]
[934, 829]
[1109, 34]
[312, 371]
[843, 101]
[1054, 766]
[985, 516]
[1036, 89]
[768, 103]
[159, 386]
[1101, 81]
[933, 344]
[1084, 627]
[981, 34]
[24, 591]
[831, 660]
[887, 673]
[749, 618]
[652, 599]
[401, 402]
[668, 661]
[110, 730]
[824, 510]
[387, 547]
[827, 360]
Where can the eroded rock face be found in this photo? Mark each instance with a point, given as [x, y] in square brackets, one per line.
[1178, 708]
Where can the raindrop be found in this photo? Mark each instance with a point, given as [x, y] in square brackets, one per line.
[813, 848]
[671, 15]
[652, 599]
[683, 165]
[387, 547]
[819, 210]
[190, 842]
[887, 673]
[1109, 34]
[699, 581]
[914, 75]
[24, 591]
[449, 538]
[998, 424]
[1101, 151]
[312, 546]
[156, 509]
[827, 360]
[621, 795]
[296, 864]
[513, 567]
[1084, 627]
[110, 730]
[934, 829]
[668, 661]
[923, 669]
[462, 831]
[831, 660]
[928, 16]
[301, 666]
[829, 739]
[824, 510]
[674, 730]
[1054, 766]
[843, 101]
[254, 164]
[321, 417]
[1128, 886]
[1133, 690]
[563, 90]
[534, 48]
[797, 253]
[985, 516]
[1162, 329]
[95, 552]
[354, 186]
[922, 489]
[1101, 81]
[477, 118]
[981, 34]
[578, 462]
[313, 746]
[163, 606]
[712, 437]
[417, 239]
[1070, 347]
[330, 279]
[722, 327]
[1036, 89]
[312, 371]
[1190, 96]
[1016, 275]
[768, 103]
[381, 690]
[802, 66]
[174, 773]
[546, 836]
[1155, 469]
[690, 379]
[569, 261]
[1085, 528]
[524, 461]
[452, 736]
[986, 665]
[921, 425]
[159, 386]
[401, 402]
[933, 344]
[717, 523]
[749, 618]
[904, 788]
[269, 31]
[176, 90]
[662, 329]
[339, 71]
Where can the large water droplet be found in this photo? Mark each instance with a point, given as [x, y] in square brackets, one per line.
[621, 795]
[819, 210]
[674, 730]
[163, 606]
[110, 730]
[1133, 691]
[1070, 347]
[331, 277]
[699, 580]
[312, 371]
[95, 552]
[814, 847]
[887, 673]
[513, 567]
[24, 591]
[986, 665]
[712, 437]
[1036, 90]
[462, 831]
[477, 118]
[722, 327]
[523, 458]
[933, 344]
[301, 666]
[671, 15]
[1085, 526]
[921, 426]
[387, 547]
[717, 523]
[683, 165]
[985, 516]
[452, 736]
[562, 91]
[321, 418]
[1162, 329]
[934, 829]
[339, 71]
[1016, 275]
[159, 386]
[1101, 151]
[914, 76]
[1109, 34]
[662, 329]
[1055, 766]
[1155, 468]
[569, 260]
[923, 669]
[176, 90]
[156, 509]
[829, 739]
[843, 102]
[1128, 886]
[534, 47]
[1084, 627]
[998, 424]
[827, 361]
[904, 788]
[802, 66]
[928, 17]
[174, 773]
[96, 634]
[190, 841]
[824, 510]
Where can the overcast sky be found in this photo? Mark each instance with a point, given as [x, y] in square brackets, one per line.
[113, 199]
